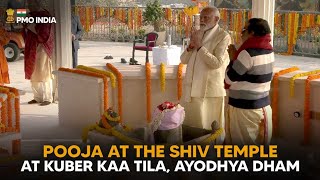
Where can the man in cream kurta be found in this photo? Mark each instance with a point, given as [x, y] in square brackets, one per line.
[38, 55]
[207, 59]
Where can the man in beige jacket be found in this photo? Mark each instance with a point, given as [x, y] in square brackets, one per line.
[207, 59]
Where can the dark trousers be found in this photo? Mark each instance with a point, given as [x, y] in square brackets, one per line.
[74, 57]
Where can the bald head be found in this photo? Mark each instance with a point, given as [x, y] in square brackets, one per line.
[209, 17]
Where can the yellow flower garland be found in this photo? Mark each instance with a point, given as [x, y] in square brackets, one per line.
[318, 20]
[274, 103]
[298, 76]
[87, 25]
[307, 115]
[119, 77]
[212, 137]
[116, 119]
[179, 79]
[292, 32]
[163, 77]
[107, 73]
[86, 131]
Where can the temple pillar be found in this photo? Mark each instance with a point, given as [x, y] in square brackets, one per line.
[63, 33]
[63, 48]
[264, 9]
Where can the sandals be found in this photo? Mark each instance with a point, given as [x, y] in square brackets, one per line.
[44, 103]
[123, 61]
[133, 62]
[33, 102]
[108, 57]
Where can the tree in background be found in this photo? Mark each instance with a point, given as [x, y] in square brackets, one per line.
[154, 15]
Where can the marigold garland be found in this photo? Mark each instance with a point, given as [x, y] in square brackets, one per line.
[148, 91]
[179, 80]
[87, 19]
[304, 23]
[87, 73]
[275, 92]
[11, 89]
[3, 114]
[17, 113]
[307, 115]
[117, 134]
[292, 32]
[163, 77]
[3, 125]
[298, 76]
[16, 97]
[4, 110]
[9, 105]
[120, 81]
[116, 119]
[107, 73]
[213, 137]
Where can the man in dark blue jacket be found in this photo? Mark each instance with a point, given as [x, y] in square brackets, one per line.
[77, 31]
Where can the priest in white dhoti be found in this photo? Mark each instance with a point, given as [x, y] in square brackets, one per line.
[207, 59]
[38, 55]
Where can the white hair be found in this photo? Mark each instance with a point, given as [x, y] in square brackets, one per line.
[214, 10]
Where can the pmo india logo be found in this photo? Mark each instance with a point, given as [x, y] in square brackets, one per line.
[21, 17]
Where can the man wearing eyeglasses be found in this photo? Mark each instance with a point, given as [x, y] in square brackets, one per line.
[207, 59]
[249, 115]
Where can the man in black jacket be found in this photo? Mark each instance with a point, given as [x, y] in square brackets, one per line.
[77, 31]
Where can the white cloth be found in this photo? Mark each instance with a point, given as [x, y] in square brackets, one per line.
[168, 56]
[41, 78]
[247, 126]
[42, 91]
[201, 112]
[168, 119]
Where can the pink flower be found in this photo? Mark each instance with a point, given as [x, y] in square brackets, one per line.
[166, 105]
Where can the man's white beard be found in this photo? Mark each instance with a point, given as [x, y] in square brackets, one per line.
[204, 27]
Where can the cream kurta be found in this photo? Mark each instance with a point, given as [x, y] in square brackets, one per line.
[43, 66]
[203, 93]
[41, 78]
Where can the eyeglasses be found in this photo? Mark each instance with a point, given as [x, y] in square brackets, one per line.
[243, 30]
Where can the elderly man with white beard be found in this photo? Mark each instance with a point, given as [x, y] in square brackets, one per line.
[207, 59]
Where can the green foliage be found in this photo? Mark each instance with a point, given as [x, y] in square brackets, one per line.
[154, 14]
[141, 32]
